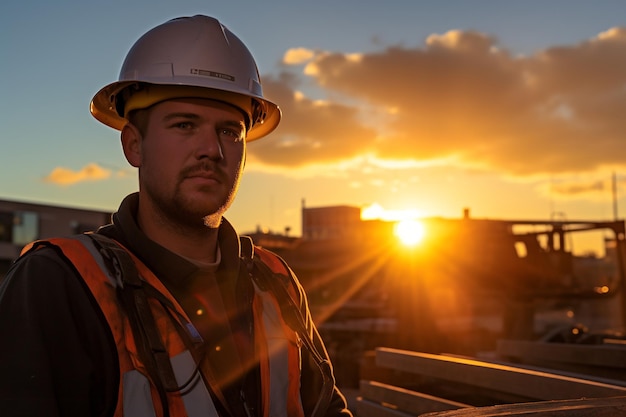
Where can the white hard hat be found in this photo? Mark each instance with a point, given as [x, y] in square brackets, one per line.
[182, 58]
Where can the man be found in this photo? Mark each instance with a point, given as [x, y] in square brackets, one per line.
[166, 311]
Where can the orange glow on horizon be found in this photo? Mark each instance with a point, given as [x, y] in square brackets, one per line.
[377, 212]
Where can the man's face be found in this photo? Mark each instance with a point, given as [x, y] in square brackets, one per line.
[191, 159]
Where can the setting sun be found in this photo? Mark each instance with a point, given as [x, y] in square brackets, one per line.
[407, 229]
[410, 231]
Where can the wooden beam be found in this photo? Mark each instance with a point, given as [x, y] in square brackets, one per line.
[413, 402]
[527, 383]
[590, 407]
[366, 408]
[610, 356]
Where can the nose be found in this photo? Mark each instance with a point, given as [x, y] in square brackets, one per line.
[209, 146]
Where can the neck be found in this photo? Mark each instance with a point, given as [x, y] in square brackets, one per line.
[195, 242]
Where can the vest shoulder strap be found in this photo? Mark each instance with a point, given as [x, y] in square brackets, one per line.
[271, 273]
[117, 259]
[133, 297]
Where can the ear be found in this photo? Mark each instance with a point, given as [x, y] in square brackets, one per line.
[131, 144]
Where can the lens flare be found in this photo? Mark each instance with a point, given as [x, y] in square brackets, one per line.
[410, 232]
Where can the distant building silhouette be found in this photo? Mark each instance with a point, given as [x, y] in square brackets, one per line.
[22, 222]
[335, 222]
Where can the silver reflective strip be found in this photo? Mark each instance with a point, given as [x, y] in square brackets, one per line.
[277, 347]
[137, 398]
[196, 397]
[97, 256]
[198, 402]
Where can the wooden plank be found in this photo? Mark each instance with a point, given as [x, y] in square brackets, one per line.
[413, 402]
[611, 356]
[366, 408]
[590, 407]
[527, 383]
[607, 361]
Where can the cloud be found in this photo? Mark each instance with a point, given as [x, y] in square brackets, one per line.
[311, 131]
[568, 189]
[296, 56]
[90, 172]
[461, 97]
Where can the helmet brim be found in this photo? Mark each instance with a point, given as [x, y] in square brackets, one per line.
[103, 107]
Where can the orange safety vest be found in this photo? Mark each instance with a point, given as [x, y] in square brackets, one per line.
[278, 345]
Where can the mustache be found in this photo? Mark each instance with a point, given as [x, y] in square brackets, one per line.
[203, 167]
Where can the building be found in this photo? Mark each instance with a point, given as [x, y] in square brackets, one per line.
[22, 222]
[337, 222]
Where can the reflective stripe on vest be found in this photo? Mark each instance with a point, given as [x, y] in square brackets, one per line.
[278, 345]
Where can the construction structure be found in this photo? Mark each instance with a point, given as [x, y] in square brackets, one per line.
[22, 222]
[483, 312]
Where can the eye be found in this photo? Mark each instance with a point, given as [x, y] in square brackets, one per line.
[233, 134]
[184, 125]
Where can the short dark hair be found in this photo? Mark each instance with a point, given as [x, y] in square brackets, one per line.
[139, 119]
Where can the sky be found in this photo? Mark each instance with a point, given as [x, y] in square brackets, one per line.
[511, 109]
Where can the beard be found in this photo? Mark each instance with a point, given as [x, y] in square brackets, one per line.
[180, 210]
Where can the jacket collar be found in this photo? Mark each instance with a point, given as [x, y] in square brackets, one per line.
[172, 269]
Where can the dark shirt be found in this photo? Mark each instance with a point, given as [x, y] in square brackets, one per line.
[57, 353]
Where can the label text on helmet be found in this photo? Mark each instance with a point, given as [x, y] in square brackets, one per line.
[208, 73]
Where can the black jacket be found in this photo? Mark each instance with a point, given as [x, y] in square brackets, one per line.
[57, 354]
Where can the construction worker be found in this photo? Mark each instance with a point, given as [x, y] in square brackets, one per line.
[167, 311]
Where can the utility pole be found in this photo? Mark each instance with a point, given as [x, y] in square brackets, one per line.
[615, 216]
